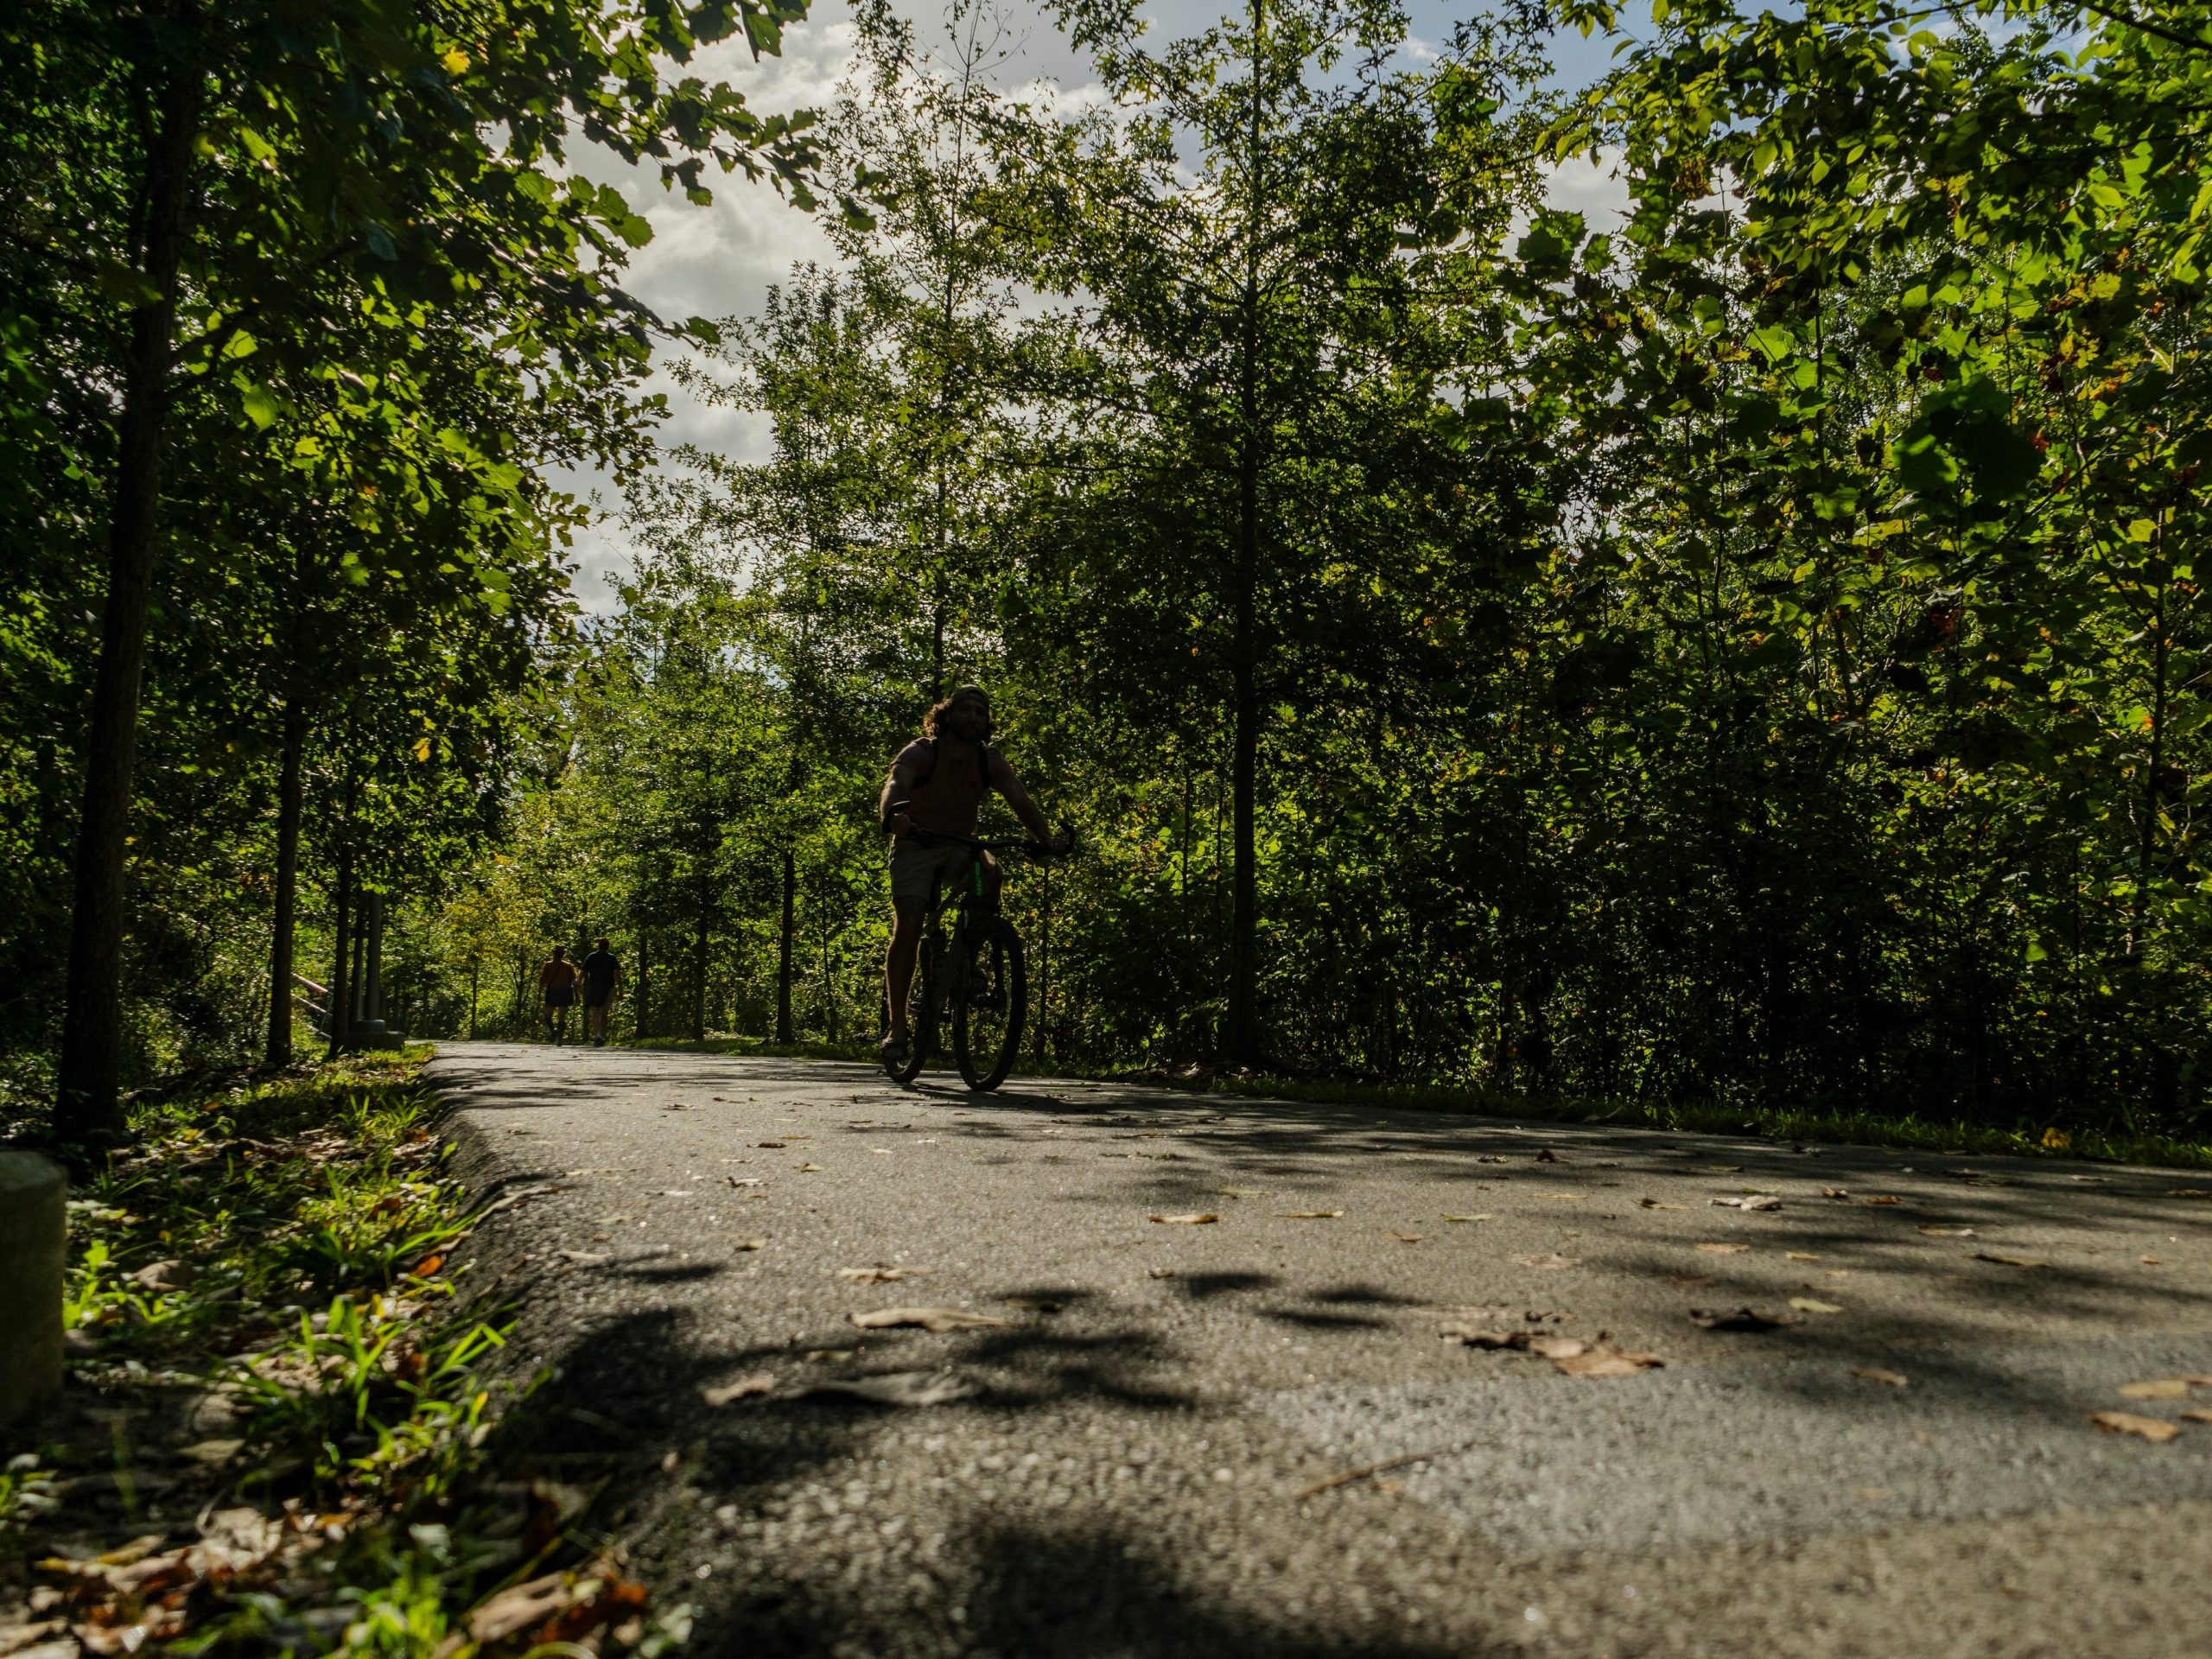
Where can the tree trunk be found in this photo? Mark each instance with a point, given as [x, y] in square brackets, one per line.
[287, 880]
[1241, 1035]
[699, 991]
[784, 950]
[86, 1102]
[341, 990]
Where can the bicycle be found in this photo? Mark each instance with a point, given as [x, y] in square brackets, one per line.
[978, 970]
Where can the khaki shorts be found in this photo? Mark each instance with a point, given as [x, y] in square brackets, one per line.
[917, 872]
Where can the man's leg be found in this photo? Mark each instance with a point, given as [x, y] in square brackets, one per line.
[906, 915]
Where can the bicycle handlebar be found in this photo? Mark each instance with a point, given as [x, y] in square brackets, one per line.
[1022, 848]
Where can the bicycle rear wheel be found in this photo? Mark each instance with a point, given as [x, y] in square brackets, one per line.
[990, 1003]
[922, 1005]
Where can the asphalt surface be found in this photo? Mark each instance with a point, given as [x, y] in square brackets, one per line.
[1131, 1469]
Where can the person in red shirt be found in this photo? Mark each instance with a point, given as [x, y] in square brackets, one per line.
[940, 779]
[557, 981]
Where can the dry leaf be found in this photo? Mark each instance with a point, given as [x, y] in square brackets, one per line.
[2154, 1429]
[749, 1244]
[1549, 1262]
[1876, 1374]
[159, 1276]
[882, 1274]
[2151, 1261]
[519, 1607]
[1717, 1169]
[2009, 1261]
[1406, 1238]
[1546, 1155]
[810, 1169]
[1159, 1273]
[1806, 1305]
[2189, 1192]
[1835, 1191]
[1882, 1197]
[1801, 1256]
[1723, 1250]
[1287, 1214]
[898, 1389]
[1654, 1204]
[741, 1180]
[1480, 1336]
[1605, 1361]
[1949, 1232]
[2158, 1388]
[1484, 1218]
[929, 1319]
[2199, 1416]
[773, 1145]
[1755, 1201]
[754, 1383]
[1739, 1319]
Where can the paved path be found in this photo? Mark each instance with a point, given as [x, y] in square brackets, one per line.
[1133, 1472]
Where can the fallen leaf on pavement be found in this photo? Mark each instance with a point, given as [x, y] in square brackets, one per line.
[881, 1274]
[1882, 1197]
[898, 1389]
[1287, 1214]
[1159, 1273]
[810, 1169]
[2009, 1261]
[929, 1319]
[1562, 1197]
[1801, 1256]
[1558, 1347]
[2154, 1429]
[1605, 1360]
[1723, 1250]
[1654, 1204]
[1483, 1337]
[2158, 1388]
[1546, 1155]
[755, 1382]
[1198, 1220]
[739, 1180]
[2200, 1415]
[2151, 1261]
[1549, 1262]
[1490, 1158]
[2189, 1192]
[1471, 1217]
[1754, 1201]
[1876, 1374]
[773, 1145]
[671, 1193]
[1739, 1319]
[1949, 1232]
[1406, 1238]
[1806, 1305]
[1835, 1191]
[1717, 1169]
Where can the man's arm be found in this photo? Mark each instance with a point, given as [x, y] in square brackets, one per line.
[899, 786]
[1004, 781]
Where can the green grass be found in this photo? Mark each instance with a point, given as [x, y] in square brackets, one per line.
[303, 1352]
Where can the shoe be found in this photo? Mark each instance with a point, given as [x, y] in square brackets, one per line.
[894, 1051]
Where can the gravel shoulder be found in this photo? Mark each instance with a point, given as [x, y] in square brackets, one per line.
[1132, 1468]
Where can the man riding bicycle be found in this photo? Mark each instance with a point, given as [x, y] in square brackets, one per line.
[940, 779]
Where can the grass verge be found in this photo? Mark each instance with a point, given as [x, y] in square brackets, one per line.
[281, 1433]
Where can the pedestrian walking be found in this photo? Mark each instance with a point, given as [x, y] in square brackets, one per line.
[557, 980]
[602, 973]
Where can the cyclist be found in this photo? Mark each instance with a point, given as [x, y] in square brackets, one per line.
[940, 779]
[556, 978]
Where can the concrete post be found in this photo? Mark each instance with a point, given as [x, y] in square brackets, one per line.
[34, 1230]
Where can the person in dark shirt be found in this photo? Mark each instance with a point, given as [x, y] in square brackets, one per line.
[602, 973]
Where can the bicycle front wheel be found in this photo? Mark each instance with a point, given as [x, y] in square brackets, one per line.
[990, 1003]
